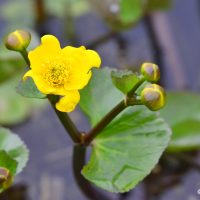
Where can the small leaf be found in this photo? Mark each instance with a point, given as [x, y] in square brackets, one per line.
[124, 80]
[131, 10]
[182, 112]
[127, 150]
[14, 147]
[28, 89]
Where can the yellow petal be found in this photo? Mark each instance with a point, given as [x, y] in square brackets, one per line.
[49, 48]
[78, 81]
[82, 59]
[68, 102]
[92, 58]
[29, 73]
[40, 84]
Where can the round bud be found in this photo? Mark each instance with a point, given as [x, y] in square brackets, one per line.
[18, 40]
[153, 96]
[5, 178]
[151, 72]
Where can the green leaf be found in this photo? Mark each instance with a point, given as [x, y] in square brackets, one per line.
[99, 96]
[126, 150]
[131, 10]
[182, 112]
[7, 162]
[154, 5]
[124, 80]
[14, 147]
[11, 165]
[28, 89]
[14, 108]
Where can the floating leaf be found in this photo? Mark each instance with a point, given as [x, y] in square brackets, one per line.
[124, 80]
[28, 89]
[126, 150]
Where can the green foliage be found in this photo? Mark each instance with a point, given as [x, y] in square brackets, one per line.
[7, 161]
[28, 89]
[9, 67]
[182, 112]
[124, 80]
[127, 149]
[9, 164]
[13, 107]
[14, 147]
[13, 154]
[131, 10]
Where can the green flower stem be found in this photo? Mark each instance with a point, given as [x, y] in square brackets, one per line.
[79, 157]
[24, 54]
[64, 118]
[132, 91]
[129, 101]
[104, 122]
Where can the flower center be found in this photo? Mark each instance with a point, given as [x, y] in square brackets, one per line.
[57, 73]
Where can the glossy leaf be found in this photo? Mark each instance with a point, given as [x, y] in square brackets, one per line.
[127, 149]
[124, 80]
[182, 112]
[14, 147]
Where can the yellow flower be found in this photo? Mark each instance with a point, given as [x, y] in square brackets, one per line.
[61, 71]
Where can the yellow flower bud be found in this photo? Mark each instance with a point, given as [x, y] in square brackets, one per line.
[5, 178]
[151, 72]
[18, 40]
[153, 96]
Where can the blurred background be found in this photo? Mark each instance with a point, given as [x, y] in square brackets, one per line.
[166, 32]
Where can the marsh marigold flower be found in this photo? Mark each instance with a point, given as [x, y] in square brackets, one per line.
[61, 71]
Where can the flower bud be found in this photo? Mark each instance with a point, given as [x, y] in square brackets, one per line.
[151, 72]
[5, 178]
[153, 96]
[18, 40]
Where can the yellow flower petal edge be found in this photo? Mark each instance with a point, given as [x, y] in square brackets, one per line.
[61, 71]
[68, 102]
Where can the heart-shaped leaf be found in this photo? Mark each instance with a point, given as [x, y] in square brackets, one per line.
[127, 149]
